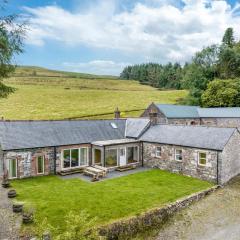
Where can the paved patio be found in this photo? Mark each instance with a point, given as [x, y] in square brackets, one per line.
[110, 175]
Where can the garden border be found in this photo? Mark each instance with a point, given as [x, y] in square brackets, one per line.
[154, 218]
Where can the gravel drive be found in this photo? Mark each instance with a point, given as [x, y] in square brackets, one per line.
[217, 217]
[9, 222]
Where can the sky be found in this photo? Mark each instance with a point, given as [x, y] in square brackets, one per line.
[104, 36]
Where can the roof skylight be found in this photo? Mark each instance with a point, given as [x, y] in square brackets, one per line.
[114, 125]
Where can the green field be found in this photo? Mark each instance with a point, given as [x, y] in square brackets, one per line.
[45, 94]
[108, 200]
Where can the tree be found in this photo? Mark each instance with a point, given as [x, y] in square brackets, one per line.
[154, 74]
[222, 93]
[199, 73]
[229, 62]
[228, 38]
[79, 226]
[11, 43]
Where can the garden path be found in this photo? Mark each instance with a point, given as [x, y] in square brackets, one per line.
[9, 222]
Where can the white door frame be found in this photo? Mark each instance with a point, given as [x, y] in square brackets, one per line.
[9, 160]
[123, 158]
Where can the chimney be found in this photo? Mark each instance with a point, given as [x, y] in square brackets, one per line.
[117, 113]
[153, 116]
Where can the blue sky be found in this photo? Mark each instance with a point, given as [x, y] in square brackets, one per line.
[103, 36]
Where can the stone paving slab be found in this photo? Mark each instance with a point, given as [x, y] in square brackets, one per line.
[10, 222]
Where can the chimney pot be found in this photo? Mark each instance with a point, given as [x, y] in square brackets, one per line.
[117, 113]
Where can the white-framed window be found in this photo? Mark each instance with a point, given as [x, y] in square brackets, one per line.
[40, 164]
[178, 155]
[74, 157]
[158, 152]
[202, 158]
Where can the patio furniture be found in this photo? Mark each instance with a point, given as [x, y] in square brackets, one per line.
[99, 172]
[126, 168]
[70, 171]
[105, 170]
[94, 176]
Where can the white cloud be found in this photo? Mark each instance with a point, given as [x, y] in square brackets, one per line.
[101, 67]
[155, 32]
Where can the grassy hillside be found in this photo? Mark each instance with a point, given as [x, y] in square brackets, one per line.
[46, 94]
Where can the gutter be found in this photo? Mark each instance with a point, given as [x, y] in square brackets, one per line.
[212, 149]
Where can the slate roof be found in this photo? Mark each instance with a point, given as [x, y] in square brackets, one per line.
[181, 111]
[136, 126]
[226, 112]
[32, 134]
[178, 111]
[190, 136]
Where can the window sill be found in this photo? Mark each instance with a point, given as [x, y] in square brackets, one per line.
[202, 165]
[178, 160]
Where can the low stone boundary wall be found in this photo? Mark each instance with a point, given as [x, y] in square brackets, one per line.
[153, 218]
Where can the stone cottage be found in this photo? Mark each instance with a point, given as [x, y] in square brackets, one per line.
[35, 148]
[193, 115]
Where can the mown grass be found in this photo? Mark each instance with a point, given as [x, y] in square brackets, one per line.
[52, 96]
[108, 200]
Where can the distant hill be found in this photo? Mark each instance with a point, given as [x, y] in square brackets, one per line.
[31, 71]
[48, 94]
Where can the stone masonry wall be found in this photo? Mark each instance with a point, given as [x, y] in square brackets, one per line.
[27, 161]
[221, 122]
[189, 164]
[229, 159]
[184, 121]
[1, 164]
[161, 118]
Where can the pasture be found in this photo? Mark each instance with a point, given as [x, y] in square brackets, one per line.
[45, 94]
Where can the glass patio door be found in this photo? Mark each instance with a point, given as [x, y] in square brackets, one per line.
[97, 157]
[12, 168]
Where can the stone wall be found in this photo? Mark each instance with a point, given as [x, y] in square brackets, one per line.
[229, 159]
[183, 121]
[188, 166]
[152, 219]
[221, 122]
[27, 161]
[161, 118]
[1, 164]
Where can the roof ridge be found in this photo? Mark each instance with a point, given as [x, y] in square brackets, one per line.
[193, 126]
[61, 120]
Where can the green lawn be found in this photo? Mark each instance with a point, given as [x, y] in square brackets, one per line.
[109, 200]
